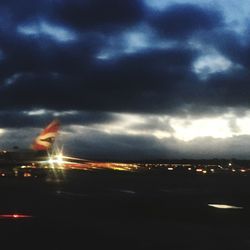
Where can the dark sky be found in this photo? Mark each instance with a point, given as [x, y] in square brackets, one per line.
[128, 79]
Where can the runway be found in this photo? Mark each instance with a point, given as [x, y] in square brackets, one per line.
[126, 210]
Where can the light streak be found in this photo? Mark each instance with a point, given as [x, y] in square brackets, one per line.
[15, 216]
[224, 206]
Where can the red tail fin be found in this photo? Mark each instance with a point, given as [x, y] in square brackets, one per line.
[47, 137]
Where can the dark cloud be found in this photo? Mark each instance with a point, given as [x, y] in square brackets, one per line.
[182, 20]
[41, 55]
[48, 74]
[40, 118]
[231, 44]
[81, 15]
[231, 90]
[98, 14]
[136, 83]
[153, 82]
[17, 119]
[98, 145]
[49, 61]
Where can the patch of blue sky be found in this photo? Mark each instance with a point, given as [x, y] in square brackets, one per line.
[235, 13]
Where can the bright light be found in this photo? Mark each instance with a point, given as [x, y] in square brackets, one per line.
[27, 175]
[59, 159]
[187, 130]
[56, 160]
[198, 170]
[51, 161]
[224, 206]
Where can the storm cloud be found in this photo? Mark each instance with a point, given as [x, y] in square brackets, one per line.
[133, 74]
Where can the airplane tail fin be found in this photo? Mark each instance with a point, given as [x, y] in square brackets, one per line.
[47, 137]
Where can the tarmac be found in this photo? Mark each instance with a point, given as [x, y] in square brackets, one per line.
[125, 210]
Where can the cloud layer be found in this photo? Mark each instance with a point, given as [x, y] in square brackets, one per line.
[96, 64]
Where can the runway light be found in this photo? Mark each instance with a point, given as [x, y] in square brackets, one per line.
[59, 159]
[224, 206]
[51, 161]
[15, 216]
[27, 174]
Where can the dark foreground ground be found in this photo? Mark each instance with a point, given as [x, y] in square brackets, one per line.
[118, 210]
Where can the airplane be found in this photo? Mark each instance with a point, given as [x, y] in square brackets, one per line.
[42, 155]
[47, 137]
[40, 148]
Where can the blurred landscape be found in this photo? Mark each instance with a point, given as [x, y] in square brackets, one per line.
[108, 209]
